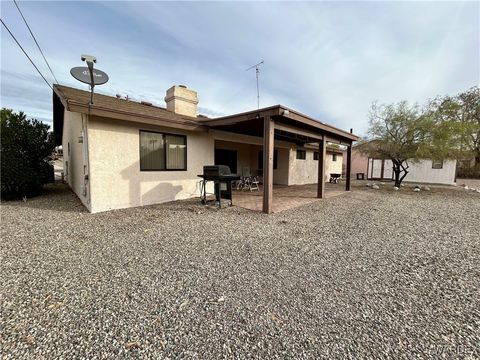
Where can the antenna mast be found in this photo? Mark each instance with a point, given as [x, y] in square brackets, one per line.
[257, 71]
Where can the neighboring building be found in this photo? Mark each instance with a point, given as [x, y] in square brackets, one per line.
[422, 171]
[119, 153]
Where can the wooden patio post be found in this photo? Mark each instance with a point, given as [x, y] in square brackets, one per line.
[322, 150]
[268, 139]
[349, 167]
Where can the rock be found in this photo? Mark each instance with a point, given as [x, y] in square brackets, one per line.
[132, 345]
[402, 185]
[417, 189]
[221, 299]
[376, 187]
[426, 188]
[368, 185]
[466, 187]
[395, 188]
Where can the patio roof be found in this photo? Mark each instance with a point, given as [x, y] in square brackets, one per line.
[305, 128]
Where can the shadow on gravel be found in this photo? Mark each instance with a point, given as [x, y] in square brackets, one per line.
[54, 197]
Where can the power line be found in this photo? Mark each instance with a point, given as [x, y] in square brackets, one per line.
[36, 42]
[35, 66]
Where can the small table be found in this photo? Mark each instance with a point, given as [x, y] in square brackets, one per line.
[335, 178]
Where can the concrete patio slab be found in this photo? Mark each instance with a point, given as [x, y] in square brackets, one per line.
[285, 197]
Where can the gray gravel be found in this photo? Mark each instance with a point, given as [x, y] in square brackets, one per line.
[371, 274]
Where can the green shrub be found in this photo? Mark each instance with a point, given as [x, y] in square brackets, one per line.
[469, 172]
[26, 147]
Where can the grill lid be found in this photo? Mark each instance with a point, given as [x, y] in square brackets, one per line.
[216, 170]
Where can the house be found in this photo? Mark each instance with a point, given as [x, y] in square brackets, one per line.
[120, 153]
[423, 171]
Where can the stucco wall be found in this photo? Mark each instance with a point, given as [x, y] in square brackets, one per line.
[116, 179]
[306, 171]
[75, 156]
[359, 163]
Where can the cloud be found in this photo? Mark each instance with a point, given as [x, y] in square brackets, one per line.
[328, 60]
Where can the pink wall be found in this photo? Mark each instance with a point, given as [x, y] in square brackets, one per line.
[359, 163]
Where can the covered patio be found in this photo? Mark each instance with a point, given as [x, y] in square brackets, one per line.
[285, 197]
[281, 127]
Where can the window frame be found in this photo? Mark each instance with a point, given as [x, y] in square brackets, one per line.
[304, 156]
[334, 157]
[164, 153]
[437, 167]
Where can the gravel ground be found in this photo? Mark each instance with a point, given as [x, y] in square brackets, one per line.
[371, 274]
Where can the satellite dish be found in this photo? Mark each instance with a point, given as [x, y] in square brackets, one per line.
[89, 75]
[82, 73]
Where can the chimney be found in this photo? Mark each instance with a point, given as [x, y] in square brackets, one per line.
[182, 101]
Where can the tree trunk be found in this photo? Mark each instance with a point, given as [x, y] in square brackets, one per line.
[398, 169]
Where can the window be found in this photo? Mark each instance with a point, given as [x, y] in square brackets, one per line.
[437, 164]
[334, 157]
[315, 155]
[301, 154]
[275, 160]
[162, 151]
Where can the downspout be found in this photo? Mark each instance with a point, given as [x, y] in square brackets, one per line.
[86, 160]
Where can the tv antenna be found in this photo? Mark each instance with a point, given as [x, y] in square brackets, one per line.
[89, 75]
[257, 71]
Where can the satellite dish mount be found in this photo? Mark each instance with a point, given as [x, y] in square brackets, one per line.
[89, 75]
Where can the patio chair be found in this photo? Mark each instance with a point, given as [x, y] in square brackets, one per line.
[335, 178]
[254, 183]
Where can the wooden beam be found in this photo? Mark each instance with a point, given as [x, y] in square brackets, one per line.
[238, 118]
[337, 141]
[322, 152]
[295, 130]
[349, 168]
[268, 139]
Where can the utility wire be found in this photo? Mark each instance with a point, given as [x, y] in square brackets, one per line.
[36, 42]
[35, 66]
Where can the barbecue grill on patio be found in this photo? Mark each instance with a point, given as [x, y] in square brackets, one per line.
[221, 176]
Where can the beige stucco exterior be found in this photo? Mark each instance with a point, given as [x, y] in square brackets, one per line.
[75, 156]
[303, 172]
[116, 180]
[103, 164]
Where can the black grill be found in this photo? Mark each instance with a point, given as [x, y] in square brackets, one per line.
[222, 177]
[218, 172]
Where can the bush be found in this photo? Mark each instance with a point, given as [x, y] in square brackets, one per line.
[469, 172]
[26, 147]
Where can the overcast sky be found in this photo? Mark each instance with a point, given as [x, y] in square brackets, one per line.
[329, 60]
